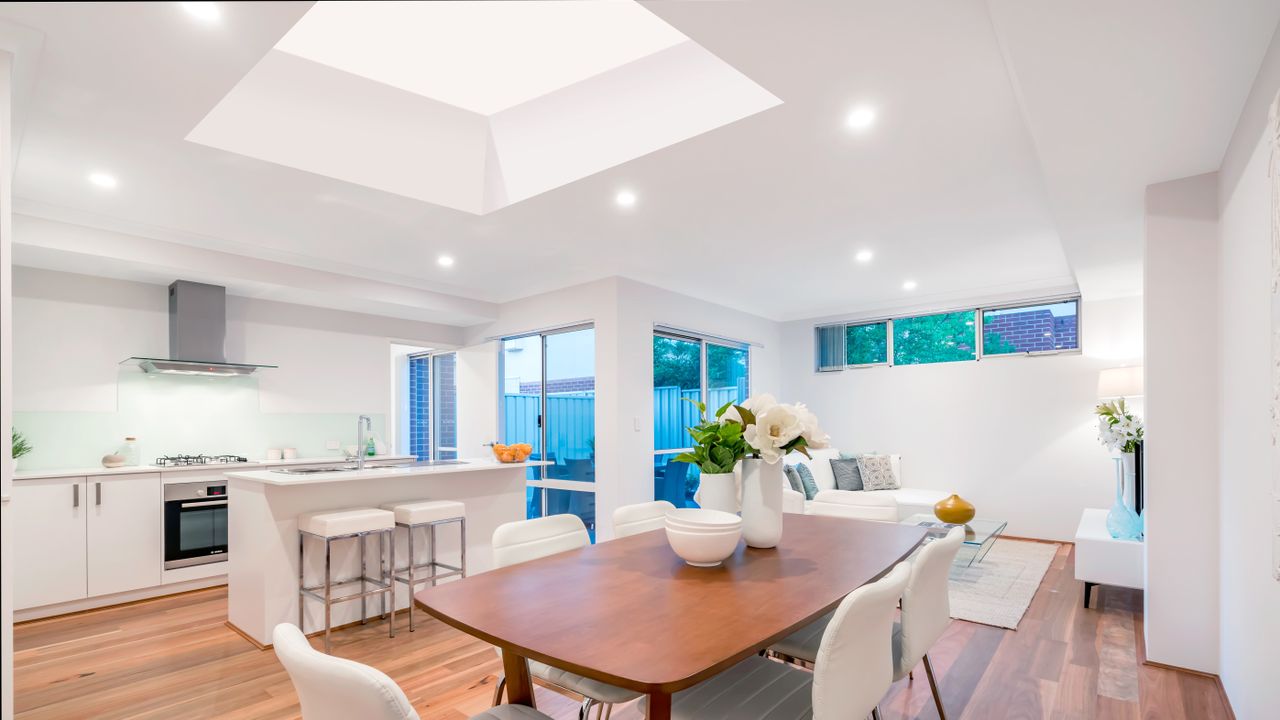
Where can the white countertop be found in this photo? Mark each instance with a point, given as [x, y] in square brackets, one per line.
[269, 477]
[133, 469]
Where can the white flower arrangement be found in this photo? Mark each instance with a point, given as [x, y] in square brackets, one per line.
[772, 429]
[1118, 429]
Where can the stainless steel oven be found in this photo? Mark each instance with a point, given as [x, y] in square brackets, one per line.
[195, 524]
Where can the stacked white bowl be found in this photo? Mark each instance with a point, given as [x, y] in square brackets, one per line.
[703, 538]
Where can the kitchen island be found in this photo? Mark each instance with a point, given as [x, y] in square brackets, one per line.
[262, 531]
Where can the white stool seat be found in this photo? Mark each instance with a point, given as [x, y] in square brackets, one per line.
[425, 511]
[346, 522]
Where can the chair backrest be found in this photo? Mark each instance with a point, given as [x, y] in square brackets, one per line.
[525, 540]
[641, 517]
[926, 609]
[854, 666]
[860, 505]
[332, 688]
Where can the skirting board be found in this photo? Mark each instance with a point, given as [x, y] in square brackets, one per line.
[124, 598]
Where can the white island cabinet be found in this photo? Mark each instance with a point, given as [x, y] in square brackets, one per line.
[262, 527]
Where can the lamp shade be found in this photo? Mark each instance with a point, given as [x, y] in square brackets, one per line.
[1120, 382]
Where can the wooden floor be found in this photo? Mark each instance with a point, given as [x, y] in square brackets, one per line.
[174, 658]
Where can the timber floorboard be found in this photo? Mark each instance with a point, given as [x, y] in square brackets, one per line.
[174, 657]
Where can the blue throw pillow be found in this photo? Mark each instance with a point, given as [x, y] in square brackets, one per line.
[847, 475]
[793, 478]
[806, 479]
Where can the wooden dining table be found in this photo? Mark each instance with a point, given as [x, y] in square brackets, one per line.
[631, 613]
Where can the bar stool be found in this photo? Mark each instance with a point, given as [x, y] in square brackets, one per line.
[358, 524]
[429, 514]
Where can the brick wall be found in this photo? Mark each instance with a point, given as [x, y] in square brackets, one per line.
[563, 385]
[420, 407]
[447, 404]
[1033, 330]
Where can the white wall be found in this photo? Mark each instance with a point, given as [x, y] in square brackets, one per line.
[1016, 436]
[1180, 449]
[1249, 596]
[6, 390]
[71, 331]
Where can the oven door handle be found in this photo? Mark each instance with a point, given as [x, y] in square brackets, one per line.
[210, 503]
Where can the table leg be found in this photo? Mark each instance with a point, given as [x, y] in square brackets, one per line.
[519, 686]
[659, 706]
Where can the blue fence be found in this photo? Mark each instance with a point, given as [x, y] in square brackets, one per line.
[571, 419]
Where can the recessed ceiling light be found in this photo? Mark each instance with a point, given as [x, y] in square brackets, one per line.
[445, 261]
[861, 118]
[864, 256]
[103, 180]
[625, 198]
[909, 285]
[207, 12]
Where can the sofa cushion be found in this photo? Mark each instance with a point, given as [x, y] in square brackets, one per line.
[806, 480]
[847, 475]
[793, 478]
[819, 465]
[877, 473]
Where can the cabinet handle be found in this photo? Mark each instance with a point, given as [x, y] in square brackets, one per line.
[97, 491]
[75, 495]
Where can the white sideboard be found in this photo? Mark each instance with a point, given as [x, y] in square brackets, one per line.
[1104, 560]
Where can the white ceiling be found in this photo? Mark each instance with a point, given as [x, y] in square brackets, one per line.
[1009, 153]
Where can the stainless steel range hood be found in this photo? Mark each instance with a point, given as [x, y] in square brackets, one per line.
[197, 334]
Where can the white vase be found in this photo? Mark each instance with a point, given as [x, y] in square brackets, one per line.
[1129, 462]
[761, 502]
[718, 491]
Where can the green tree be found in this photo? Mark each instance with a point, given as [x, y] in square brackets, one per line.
[945, 337]
[866, 344]
[676, 363]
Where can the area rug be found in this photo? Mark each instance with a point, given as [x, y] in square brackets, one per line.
[998, 590]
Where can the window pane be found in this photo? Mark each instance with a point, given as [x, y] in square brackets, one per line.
[522, 396]
[726, 376]
[674, 481]
[829, 347]
[420, 406]
[445, 414]
[573, 502]
[1031, 328]
[945, 337]
[571, 405]
[867, 344]
[677, 374]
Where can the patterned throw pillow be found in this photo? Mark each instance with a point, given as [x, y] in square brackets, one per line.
[793, 477]
[806, 479]
[877, 473]
[847, 475]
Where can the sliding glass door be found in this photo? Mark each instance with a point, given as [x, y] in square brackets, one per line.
[689, 367]
[548, 401]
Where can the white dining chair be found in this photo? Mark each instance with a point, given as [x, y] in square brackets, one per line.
[926, 613]
[640, 518]
[857, 505]
[333, 688]
[853, 669]
[525, 540]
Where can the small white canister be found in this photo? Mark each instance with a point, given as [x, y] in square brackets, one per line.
[274, 454]
[290, 453]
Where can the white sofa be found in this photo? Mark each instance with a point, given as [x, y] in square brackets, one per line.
[910, 500]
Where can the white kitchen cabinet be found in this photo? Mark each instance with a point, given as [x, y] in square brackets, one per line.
[49, 534]
[125, 532]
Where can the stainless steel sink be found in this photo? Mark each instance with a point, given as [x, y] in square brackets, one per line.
[311, 471]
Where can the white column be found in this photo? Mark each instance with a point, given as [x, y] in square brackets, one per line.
[6, 386]
[1181, 471]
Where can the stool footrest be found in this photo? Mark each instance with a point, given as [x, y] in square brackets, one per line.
[420, 579]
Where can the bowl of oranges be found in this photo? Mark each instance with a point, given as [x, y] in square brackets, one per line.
[518, 452]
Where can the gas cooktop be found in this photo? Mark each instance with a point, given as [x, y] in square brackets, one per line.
[180, 460]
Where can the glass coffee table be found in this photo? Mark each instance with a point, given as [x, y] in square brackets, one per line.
[979, 534]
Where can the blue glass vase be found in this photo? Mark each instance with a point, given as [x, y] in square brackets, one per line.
[1122, 522]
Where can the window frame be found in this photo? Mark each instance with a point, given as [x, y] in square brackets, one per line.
[978, 330]
[433, 385]
[981, 325]
[704, 371]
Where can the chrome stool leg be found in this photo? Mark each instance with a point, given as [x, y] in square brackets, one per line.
[389, 579]
[302, 582]
[462, 543]
[431, 551]
[328, 592]
[408, 531]
[364, 572]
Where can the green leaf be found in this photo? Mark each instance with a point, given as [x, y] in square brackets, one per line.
[724, 407]
[685, 458]
[730, 432]
[722, 455]
[748, 417]
[702, 407]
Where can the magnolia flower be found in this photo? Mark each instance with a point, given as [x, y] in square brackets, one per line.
[774, 428]
[813, 435]
[756, 404]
